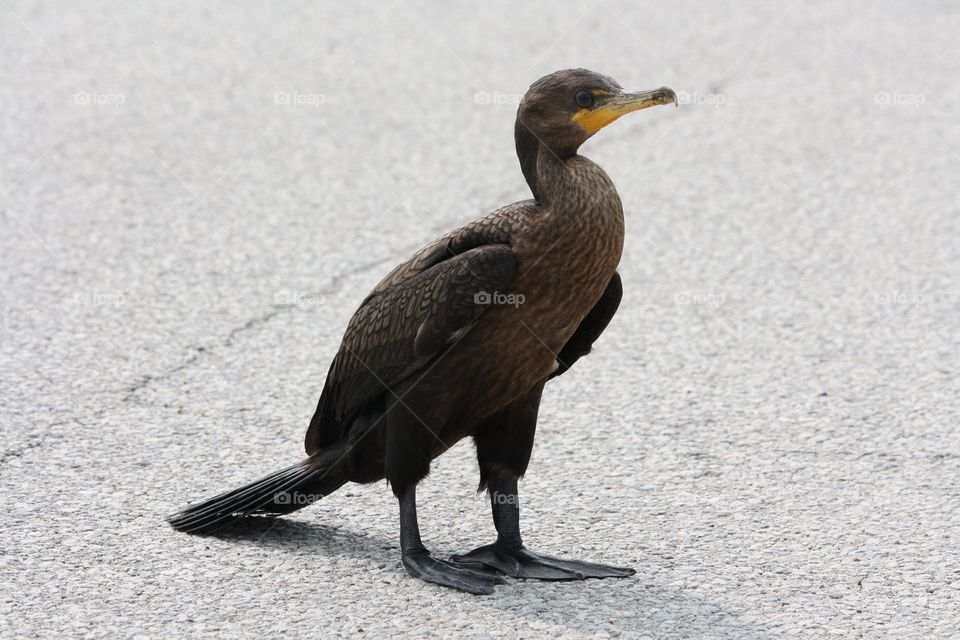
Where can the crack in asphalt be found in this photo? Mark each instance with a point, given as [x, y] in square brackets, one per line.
[334, 286]
[199, 351]
[35, 441]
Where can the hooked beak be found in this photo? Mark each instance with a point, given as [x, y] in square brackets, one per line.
[609, 108]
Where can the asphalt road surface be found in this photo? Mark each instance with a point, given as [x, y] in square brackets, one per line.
[197, 195]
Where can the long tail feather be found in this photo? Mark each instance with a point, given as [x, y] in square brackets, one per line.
[278, 493]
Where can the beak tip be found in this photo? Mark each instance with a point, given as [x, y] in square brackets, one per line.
[671, 94]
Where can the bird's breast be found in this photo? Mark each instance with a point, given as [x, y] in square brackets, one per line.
[563, 268]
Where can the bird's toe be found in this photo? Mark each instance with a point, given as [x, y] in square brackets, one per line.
[523, 563]
[446, 574]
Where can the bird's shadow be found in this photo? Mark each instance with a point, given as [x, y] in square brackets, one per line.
[297, 535]
[630, 607]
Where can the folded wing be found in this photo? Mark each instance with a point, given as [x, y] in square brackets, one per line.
[419, 309]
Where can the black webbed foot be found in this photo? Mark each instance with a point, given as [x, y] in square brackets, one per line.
[519, 562]
[477, 580]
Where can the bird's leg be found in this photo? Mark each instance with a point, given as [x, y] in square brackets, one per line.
[508, 555]
[420, 564]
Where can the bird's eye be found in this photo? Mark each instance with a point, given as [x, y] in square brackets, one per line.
[584, 99]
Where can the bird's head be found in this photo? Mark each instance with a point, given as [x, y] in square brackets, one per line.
[562, 110]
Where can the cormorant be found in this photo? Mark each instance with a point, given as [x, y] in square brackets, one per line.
[460, 340]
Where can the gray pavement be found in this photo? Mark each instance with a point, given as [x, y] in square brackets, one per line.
[196, 195]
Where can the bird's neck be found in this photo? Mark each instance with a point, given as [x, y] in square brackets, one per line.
[562, 183]
[557, 178]
[544, 170]
[542, 167]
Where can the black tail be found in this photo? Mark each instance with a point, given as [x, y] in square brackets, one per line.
[276, 494]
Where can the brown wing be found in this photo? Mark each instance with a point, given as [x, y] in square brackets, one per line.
[403, 324]
[493, 228]
[591, 326]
